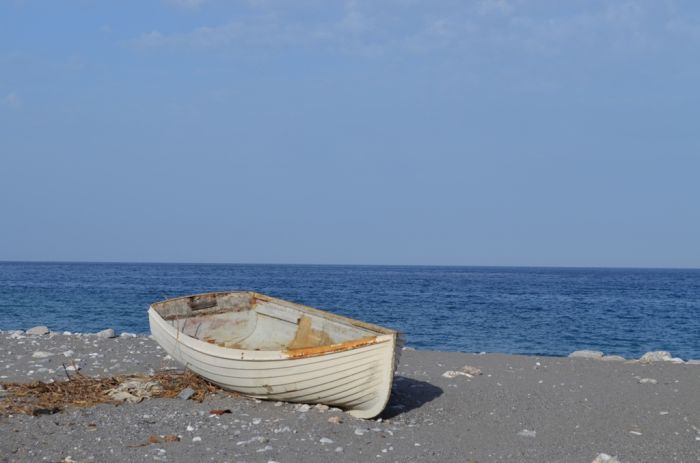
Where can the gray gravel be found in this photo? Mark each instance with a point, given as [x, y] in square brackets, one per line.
[521, 408]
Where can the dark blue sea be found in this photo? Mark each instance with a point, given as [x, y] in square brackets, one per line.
[550, 311]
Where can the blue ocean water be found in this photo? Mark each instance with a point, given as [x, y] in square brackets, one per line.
[549, 311]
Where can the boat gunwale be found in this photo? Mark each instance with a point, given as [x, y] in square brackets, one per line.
[292, 305]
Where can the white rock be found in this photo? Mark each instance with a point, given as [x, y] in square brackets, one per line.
[321, 407]
[647, 381]
[67, 333]
[41, 354]
[656, 356]
[359, 432]
[339, 449]
[108, 333]
[196, 439]
[325, 440]
[302, 408]
[527, 433]
[605, 458]
[474, 371]
[38, 331]
[586, 354]
[127, 335]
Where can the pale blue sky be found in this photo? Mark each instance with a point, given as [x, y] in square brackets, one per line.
[398, 132]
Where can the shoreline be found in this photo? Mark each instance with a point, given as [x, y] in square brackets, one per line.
[520, 408]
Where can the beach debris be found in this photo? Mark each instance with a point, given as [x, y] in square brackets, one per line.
[168, 438]
[108, 333]
[474, 371]
[135, 390]
[453, 374]
[186, 394]
[586, 354]
[84, 391]
[527, 433]
[613, 358]
[646, 381]
[219, 412]
[38, 331]
[605, 458]
[335, 419]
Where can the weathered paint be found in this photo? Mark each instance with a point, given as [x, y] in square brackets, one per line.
[320, 350]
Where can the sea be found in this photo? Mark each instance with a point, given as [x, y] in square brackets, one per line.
[519, 310]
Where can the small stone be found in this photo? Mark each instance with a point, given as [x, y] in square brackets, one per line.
[127, 335]
[38, 331]
[186, 393]
[41, 354]
[190, 428]
[656, 356]
[647, 381]
[453, 374]
[278, 404]
[586, 354]
[325, 440]
[68, 353]
[196, 439]
[527, 433]
[321, 407]
[474, 371]
[335, 420]
[605, 458]
[302, 408]
[339, 449]
[359, 432]
[108, 333]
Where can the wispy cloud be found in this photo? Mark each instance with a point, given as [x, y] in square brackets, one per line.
[185, 4]
[12, 100]
[378, 28]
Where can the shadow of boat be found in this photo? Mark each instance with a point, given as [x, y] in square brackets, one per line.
[409, 394]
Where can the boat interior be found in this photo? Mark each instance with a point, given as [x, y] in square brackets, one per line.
[251, 321]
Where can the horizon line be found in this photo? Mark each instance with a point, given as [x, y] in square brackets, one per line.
[116, 262]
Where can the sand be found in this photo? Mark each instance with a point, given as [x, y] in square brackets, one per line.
[521, 408]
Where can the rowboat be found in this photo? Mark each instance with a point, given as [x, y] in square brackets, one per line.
[272, 349]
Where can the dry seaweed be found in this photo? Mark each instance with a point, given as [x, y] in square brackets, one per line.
[83, 391]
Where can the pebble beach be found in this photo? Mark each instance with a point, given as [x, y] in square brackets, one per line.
[445, 406]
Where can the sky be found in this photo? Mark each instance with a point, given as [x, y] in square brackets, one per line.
[495, 132]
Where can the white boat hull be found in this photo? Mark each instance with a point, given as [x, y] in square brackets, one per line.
[356, 375]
